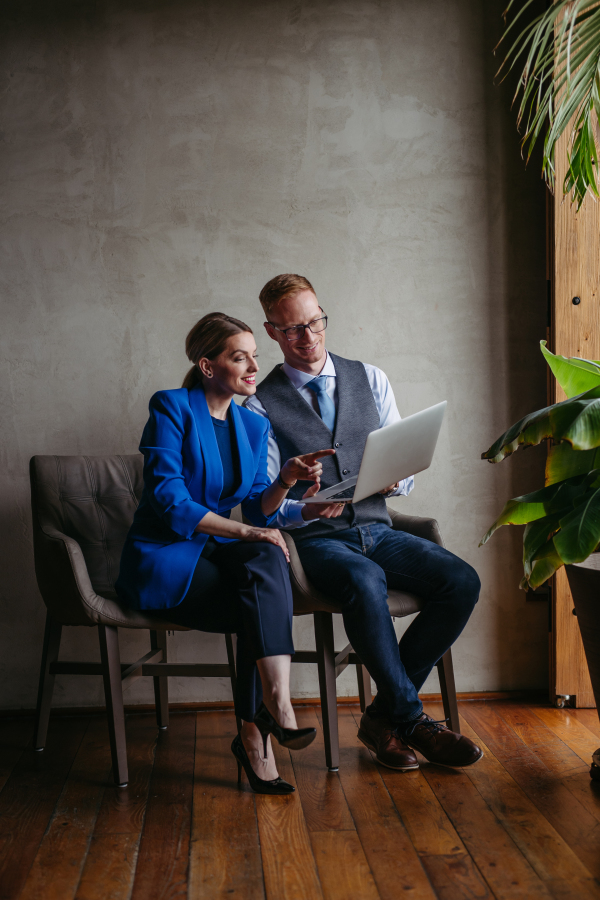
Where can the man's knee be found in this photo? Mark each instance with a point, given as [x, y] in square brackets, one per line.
[468, 585]
[365, 587]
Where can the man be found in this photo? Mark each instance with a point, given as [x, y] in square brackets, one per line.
[318, 400]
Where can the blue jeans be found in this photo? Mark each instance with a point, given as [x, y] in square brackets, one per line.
[356, 567]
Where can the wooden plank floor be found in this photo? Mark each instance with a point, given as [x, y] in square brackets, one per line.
[523, 824]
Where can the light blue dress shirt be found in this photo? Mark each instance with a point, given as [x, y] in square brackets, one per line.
[290, 511]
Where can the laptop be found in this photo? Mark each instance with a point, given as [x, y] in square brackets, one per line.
[390, 455]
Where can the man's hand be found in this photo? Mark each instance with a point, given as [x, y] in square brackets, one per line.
[390, 489]
[304, 468]
[320, 510]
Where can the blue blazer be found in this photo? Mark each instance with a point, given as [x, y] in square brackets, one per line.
[183, 480]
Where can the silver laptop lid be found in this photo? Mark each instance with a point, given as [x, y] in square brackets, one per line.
[398, 451]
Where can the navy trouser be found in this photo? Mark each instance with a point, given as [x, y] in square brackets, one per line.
[241, 588]
[356, 566]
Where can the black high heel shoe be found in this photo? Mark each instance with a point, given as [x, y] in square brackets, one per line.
[292, 738]
[277, 786]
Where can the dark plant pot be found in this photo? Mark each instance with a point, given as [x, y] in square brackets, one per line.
[584, 581]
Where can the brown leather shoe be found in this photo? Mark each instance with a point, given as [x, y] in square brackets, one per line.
[438, 744]
[377, 733]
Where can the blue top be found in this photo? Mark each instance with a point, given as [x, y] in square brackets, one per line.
[228, 452]
[184, 479]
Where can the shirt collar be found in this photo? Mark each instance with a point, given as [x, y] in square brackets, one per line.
[299, 379]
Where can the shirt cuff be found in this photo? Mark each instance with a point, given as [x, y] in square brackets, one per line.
[290, 514]
[404, 488]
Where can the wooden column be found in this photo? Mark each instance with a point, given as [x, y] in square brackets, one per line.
[574, 270]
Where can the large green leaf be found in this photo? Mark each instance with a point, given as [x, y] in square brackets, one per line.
[536, 535]
[562, 525]
[562, 519]
[556, 498]
[580, 530]
[577, 536]
[576, 420]
[564, 462]
[546, 563]
[574, 375]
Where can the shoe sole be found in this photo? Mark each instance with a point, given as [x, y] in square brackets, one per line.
[373, 749]
[299, 743]
[435, 762]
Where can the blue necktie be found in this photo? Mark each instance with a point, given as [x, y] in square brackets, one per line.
[326, 404]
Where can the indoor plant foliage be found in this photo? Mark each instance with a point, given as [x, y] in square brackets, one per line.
[559, 87]
[562, 519]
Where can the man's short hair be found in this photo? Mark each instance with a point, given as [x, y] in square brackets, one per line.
[282, 286]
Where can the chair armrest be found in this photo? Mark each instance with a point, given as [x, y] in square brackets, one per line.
[63, 578]
[307, 599]
[70, 598]
[417, 525]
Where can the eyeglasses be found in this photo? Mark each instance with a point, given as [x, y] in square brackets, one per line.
[297, 331]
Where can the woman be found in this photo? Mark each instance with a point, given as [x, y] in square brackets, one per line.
[188, 562]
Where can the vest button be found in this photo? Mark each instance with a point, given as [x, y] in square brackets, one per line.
[344, 471]
[337, 444]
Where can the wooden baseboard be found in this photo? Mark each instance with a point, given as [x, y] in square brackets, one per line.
[524, 696]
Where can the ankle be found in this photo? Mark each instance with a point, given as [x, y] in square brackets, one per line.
[281, 709]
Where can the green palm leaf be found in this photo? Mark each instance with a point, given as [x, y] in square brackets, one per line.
[535, 536]
[576, 420]
[547, 548]
[555, 499]
[579, 532]
[564, 462]
[544, 566]
[562, 519]
[559, 86]
[574, 375]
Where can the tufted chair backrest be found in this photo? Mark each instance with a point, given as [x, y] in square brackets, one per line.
[91, 499]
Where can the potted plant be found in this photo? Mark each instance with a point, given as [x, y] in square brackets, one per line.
[562, 519]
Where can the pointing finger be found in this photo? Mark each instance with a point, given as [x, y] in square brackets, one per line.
[319, 453]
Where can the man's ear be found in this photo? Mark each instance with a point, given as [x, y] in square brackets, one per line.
[270, 331]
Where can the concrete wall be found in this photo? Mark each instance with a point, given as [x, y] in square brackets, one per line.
[163, 159]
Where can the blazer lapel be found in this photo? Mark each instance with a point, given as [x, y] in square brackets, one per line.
[247, 464]
[213, 467]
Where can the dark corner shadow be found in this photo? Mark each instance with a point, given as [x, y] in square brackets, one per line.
[516, 252]
[518, 288]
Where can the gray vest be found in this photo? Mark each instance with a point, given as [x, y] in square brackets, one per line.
[299, 429]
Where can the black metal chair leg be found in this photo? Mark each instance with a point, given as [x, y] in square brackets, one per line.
[364, 686]
[52, 636]
[326, 668]
[113, 692]
[231, 644]
[158, 641]
[448, 688]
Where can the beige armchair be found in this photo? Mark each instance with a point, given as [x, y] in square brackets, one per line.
[82, 508]
[331, 663]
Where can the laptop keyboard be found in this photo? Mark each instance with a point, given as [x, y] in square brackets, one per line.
[343, 495]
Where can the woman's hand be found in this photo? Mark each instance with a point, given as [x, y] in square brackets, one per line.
[320, 510]
[299, 468]
[269, 535]
[304, 468]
